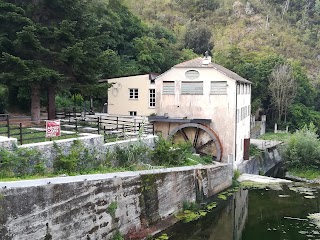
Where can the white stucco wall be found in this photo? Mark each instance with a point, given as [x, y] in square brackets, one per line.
[243, 125]
[221, 109]
[119, 102]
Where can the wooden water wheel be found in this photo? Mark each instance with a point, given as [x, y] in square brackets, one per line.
[203, 139]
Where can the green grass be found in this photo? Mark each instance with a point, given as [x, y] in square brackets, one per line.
[276, 136]
[28, 133]
[100, 170]
[310, 174]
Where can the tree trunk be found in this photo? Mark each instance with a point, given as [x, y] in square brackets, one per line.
[51, 102]
[35, 103]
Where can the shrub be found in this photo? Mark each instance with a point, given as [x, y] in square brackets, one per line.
[78, 160]
[168, 154]
[21, 162]
[303, 149]
[132, 154]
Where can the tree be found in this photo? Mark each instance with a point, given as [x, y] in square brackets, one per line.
[198, 37]
[283, 89]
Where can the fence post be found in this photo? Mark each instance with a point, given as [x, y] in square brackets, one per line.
[98, 125]
[152, 128]
[20, 126]
[117, 123]
[104, 133]
[8, 125]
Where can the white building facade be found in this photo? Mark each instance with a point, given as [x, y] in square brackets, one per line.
[132, 95]
[201, 94]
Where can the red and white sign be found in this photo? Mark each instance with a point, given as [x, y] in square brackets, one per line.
[53, 128]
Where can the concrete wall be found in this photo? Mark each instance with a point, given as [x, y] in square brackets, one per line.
[93, 142]
[8, 143]
[79, 207]
[261, 164]
[118, 96]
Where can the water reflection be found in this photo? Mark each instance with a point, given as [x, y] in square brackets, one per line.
[257, 214]
[225, 222]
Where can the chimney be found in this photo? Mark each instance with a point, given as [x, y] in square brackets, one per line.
[206, 59]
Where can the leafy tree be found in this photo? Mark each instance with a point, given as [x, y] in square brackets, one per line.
[198, 37]
[3, 98]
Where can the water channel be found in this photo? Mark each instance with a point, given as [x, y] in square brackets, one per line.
[280, 213]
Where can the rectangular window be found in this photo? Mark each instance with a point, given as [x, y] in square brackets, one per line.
[133, 93]
[168, 88]
[133, 113]
[218, 88]
[192, 88]
[152, 98]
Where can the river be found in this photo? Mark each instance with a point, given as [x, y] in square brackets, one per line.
[280, 213]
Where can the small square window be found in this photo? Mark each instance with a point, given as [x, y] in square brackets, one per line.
[133, 93]
[133, 113]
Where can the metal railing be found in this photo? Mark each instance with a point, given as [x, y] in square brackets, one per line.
[111, 127]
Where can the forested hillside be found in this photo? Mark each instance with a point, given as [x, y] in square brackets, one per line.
[251, 38]
[58, 48]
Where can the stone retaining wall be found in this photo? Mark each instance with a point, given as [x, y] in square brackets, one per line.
[261, 164]
[97, 206]
[93, 142]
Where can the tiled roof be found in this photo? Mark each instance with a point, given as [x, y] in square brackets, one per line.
[198, 63]
[152, 76]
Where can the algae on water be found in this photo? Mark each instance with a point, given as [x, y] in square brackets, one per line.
[254, 185]
[315, 218]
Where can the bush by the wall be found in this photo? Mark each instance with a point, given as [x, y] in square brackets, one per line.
[166, 153]
[21, 162]
[77, 160]
[303, 149]
[131, 154]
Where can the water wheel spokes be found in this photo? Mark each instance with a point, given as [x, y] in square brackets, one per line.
[204, 140]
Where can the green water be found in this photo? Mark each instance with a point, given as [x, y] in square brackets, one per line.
[257, 215]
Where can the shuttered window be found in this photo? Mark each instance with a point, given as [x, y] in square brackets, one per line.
[218, 88]
[192, 88]
[168, 88]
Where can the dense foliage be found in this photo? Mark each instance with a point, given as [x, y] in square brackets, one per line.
[49, 46]
[303, 149]
[251, 38]
[77, 159]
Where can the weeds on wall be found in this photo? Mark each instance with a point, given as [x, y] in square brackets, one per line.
[21, 162]
[166, 153]
[111, 209]
[117, 236]
[132, 154]
[77, 160]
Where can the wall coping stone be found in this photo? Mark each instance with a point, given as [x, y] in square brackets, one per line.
[95, 177]
[82, 136]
